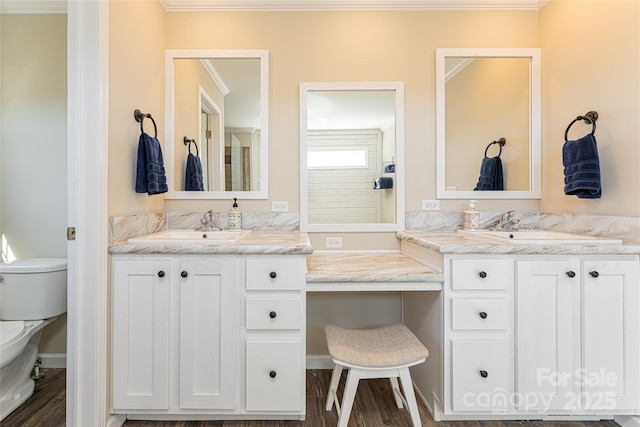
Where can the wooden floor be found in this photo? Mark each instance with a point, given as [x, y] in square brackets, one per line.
[374, 406]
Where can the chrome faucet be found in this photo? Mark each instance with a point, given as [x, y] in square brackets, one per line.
[207, 222]
[507, 222]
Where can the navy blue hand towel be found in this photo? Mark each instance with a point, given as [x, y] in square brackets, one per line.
[491, 175]
[150, 176]
[193, 179]
[582, 168]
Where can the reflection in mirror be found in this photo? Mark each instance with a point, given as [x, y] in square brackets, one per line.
[351, 157]
[219, 99]
[484, 95]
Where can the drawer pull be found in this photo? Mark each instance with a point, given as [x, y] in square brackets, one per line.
[594, 274]
[272, 314]
[482, 274]
[484, 374]
[571, 274]
[273, 275]
[184, 274]
[273, 374]
[483, 315]
[160, 273]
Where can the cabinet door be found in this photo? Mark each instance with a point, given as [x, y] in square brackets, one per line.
[208, 289]
[547, 332]
[141, 334]
[610, 335]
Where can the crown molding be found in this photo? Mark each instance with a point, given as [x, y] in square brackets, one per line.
[336, 5]
[33, 6]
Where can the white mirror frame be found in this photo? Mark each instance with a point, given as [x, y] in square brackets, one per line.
[534, 123]
[170, 56]
[398, 87]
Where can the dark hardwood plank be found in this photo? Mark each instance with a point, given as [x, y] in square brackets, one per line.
[374, 406]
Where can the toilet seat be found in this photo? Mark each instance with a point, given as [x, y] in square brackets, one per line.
[9, 330]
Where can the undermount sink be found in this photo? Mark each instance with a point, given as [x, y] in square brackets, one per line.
[190, 237]
[546, 237]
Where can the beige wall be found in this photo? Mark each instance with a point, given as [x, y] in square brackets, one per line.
[591, 61]
[136, 81]
[33, 144]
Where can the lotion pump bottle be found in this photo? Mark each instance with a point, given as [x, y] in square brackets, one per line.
[471, 220]
[235, 216]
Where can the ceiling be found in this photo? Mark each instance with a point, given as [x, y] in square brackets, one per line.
[60, 6]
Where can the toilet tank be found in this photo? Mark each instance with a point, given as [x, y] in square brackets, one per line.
[33, 289]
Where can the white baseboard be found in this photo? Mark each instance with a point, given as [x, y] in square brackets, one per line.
[627, 421]
[53, 360]
[319, 362]
[115, 420]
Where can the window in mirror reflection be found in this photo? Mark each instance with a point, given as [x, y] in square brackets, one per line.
[478, 113]
[217, 102]
[351, 136]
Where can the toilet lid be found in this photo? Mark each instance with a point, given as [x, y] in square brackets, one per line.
[9, 330]
[34, 265]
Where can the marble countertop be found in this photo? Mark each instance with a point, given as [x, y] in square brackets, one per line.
[368, 268]
[453, 242]
[287, 243]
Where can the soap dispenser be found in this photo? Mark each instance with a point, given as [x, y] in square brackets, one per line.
[471, 220]
[235, 216]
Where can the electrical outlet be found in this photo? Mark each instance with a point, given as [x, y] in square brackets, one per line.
[279, 206]
[431, 205]
[333, 242]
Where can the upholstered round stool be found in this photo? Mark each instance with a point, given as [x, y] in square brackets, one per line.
[385, 352]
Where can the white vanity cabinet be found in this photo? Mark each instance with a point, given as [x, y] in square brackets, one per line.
[530, 335]
[174, 323]
[275, 331]
[578, 334]
[208, 335]
[477, 353]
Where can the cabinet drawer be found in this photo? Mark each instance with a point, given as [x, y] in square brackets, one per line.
[478, 274]
[479, 313]
[273, 313]
[480, 375]
[268, 274]
[274, 376]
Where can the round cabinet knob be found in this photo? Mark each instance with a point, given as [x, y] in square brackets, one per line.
[160, 273]
[483, 315]
[484, 374]
[594, 274]
[273, 275]
[571, 274]
[184, 274]
[273, 374]
[272, 314]
[482, 274]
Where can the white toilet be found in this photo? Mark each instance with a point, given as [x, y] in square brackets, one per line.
[32, 293]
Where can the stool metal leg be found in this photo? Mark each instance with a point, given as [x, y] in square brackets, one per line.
[410, 397]
[349, 394]
[333, 388]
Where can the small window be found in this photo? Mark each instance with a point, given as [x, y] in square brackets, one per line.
[337, 159]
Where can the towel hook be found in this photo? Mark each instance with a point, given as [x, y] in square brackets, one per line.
[188, 142]
[500, 142]
[139, 116]
[589, 118]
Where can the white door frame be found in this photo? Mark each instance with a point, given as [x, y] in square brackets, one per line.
[88, 54]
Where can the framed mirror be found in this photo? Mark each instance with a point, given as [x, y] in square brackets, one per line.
[488, 123]
[216, 111]
[352, 156]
